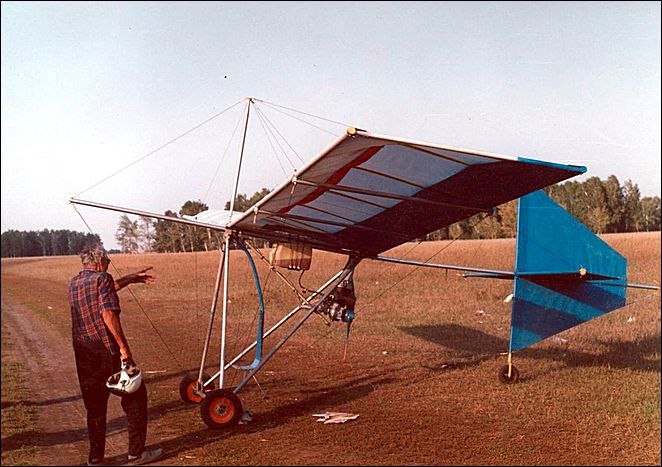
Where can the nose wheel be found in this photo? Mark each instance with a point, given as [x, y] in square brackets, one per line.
[190, 388]
[221, 409]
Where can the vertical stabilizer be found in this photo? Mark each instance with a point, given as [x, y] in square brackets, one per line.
[565, 275]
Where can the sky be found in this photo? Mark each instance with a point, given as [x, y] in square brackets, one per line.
[91, 89]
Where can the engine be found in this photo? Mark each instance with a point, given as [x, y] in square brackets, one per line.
[339, 305]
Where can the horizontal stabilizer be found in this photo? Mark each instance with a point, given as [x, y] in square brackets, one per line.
[491, 276]
[565, 275]
[559, 276]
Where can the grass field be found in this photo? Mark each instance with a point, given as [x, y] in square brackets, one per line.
[421, 369]
[17, 414]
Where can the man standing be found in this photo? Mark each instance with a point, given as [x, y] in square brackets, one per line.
[100, 348]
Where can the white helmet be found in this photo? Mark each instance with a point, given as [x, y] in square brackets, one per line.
[126, 381]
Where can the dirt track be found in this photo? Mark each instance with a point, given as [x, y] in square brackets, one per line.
[60, 427]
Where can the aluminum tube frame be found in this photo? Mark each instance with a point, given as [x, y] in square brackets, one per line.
[151, 215]
[277, 325]
[347, 270]
[226, 258]
[212, 312]
[642, 286]
[439, 266]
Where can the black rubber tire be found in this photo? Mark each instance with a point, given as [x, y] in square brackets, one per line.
[187, 385]
[221, 409]
[503, 375]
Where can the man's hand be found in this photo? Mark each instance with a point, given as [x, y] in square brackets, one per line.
[128, 361]
[134, 278]
[140, 276]
[126, 357]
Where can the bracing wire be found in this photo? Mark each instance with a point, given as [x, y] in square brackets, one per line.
[273, 106]
[304, 289]
[416, 268]
[218, 166]
[275, 133]
[409, 251]
[159, 148]
[264, 128]
[275, 129]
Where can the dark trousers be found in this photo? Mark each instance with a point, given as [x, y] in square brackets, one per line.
[94, 366]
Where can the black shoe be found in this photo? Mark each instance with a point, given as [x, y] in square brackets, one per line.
[95, 462]
[146, 457]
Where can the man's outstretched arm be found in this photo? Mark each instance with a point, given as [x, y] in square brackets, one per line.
[134, 278]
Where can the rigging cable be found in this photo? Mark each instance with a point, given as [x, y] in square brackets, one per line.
[275, 129]
[416, 268]
[159, 148]
[273, 105]
[266, 133]
[218, 166]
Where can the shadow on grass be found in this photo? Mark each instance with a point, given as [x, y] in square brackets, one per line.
[317, 401]
[33, 438]
[151, 379]
[322, 400]
[476, 346]
[59, 400]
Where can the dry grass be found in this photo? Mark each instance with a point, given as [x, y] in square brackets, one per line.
[18, 415]
[422, 365]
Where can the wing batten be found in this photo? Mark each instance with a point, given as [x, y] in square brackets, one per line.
[391, 177]
[432, 153]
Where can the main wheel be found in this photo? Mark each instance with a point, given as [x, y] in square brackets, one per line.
[188, 386]
[503, 375]
[220, 409]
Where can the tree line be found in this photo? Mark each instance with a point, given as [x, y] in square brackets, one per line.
[604, 206]
[45, 242]
[147, 235]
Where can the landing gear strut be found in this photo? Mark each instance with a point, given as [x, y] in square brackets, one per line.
[508, 374]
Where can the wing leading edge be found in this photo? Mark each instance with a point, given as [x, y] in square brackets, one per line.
[367, 193]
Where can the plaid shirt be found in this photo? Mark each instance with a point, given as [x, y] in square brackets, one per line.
[90, 293]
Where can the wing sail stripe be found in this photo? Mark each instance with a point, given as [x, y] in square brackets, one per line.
[337, 176]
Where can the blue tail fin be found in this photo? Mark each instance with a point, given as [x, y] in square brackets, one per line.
[564, 274]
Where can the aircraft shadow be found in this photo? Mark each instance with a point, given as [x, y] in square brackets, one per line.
[475, 346]
[315, 401]
[471, 345]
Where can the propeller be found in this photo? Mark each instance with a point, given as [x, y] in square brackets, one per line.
[348, 317]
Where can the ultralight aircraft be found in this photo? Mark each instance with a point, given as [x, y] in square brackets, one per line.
[367, 193]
